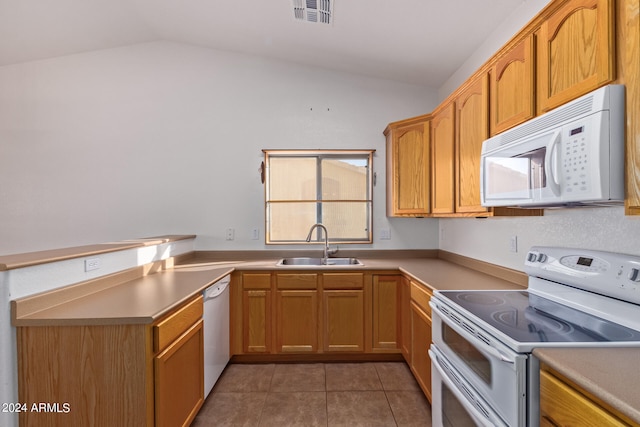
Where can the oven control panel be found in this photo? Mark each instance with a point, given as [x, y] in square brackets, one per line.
[607, 273]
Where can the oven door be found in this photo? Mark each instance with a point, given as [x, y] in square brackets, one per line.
[494, 370]
[454, 402]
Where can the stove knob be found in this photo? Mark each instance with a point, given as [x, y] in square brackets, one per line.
[542, 258]
[634, 275]
[531, 257]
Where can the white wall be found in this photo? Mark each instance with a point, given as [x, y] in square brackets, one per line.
[161, 138]
[606, 229]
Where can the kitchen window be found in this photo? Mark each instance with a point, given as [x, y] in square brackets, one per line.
[331, 187]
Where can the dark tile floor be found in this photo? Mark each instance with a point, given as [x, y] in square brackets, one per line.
[318, 394]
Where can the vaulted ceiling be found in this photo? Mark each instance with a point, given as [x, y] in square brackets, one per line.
[414, 41]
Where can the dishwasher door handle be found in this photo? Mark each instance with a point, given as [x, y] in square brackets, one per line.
[216, 289]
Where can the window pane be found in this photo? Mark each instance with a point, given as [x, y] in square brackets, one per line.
[344, 179]
[292, 178]
[346, 221]
[290, 221]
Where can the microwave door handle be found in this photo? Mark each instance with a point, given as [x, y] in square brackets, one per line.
[551, 162]
[494, 352]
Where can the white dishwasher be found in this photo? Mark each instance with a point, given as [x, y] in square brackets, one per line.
[216, 331]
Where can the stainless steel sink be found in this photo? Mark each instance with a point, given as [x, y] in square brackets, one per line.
[302, 261]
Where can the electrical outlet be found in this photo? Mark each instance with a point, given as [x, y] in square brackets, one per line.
[513, 244]
[255, 234]
[92, 264]
[230, 234]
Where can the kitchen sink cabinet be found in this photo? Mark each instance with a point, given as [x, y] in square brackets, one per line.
[296, 314]
[304, 312]
[116, 374]
[512, 86]
[576, 51]
[343, 312]
[562, 403]
[408, 167]
[442, 159]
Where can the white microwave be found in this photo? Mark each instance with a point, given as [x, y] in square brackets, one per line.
[570, 156]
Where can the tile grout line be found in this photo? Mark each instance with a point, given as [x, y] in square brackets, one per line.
[375, 366]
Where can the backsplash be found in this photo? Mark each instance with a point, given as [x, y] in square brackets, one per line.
[600, 228]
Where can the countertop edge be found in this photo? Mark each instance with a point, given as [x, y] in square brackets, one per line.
[28, 259]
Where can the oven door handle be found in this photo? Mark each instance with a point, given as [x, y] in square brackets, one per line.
[497, 354]
[464, 400]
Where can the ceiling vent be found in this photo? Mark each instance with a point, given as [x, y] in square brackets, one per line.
[316, 11]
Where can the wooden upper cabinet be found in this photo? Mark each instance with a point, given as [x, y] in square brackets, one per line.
[576, 51]
[472, 128]
[442, 155]
[512, 87]
[408, 167]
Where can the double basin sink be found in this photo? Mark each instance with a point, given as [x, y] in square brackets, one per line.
[304, 261]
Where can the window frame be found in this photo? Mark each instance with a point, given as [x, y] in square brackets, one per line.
[319, 155]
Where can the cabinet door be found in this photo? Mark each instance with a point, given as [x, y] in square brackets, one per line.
[420, 342]
[408, 160]
[256, 321]
[385, 312]
[343, 314]
[442, 155]
[576, 51]
[472, 128]
[297, 321]
[179, 379]
[512, 87]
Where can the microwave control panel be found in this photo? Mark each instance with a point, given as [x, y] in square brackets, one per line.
[575, 159]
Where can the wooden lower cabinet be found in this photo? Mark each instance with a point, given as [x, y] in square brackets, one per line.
[405, 319]
[114, 375]
[420, 343]
[297, 321]
[256, 318]
[343, 314]
[304, 312]
[386, 300]
[564, 404]
[179, 379]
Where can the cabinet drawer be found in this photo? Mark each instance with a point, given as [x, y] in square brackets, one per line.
[171, 327]
[256, 281]
[297, 281]
[343, 280]
[421, 296]
[563, 405]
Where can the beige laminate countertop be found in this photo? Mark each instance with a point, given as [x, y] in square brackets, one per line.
[611, 374]
[145, 299]
[138, 301]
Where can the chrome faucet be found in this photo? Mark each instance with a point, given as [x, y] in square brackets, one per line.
[325, 255]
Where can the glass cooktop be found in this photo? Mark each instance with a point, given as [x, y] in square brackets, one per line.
[526, 317]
